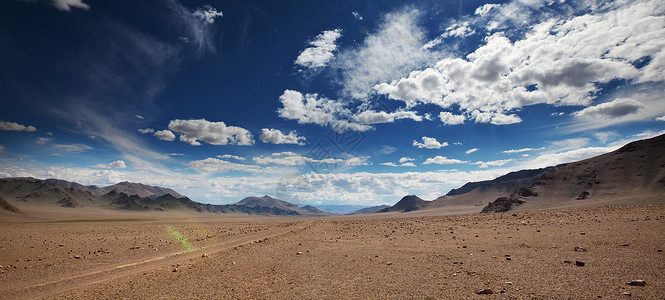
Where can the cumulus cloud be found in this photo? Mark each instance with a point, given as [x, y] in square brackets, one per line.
[356, 15]
[321, 51]
[391, 164]
[405, 159]
[442, 160]
[118, 164]
[560, 60]
[146, 130]
[392, 51]
[312, 109]
[66, 5]
[227, 156]
[494, 163]
[213, 165]
[377, 117]
[471, 150]
[275, 136]
[207, 14]
[456, 30]
[429, 143]
[214, 133]
[12, 126]
[450, 119]
[165, 135]
[662, 118]
[617, 108]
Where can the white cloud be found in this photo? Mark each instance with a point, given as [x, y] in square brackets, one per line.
[214, 165]
[456, 30]
[391, 164]
[385, 149]
[118, 164]
[293, 159]
[66, 5]
[207, 14]
[165, 135]
[377, 117]
[72, 148]
[485, 9]
[513, 151]
[442, 160]
[321, 51]
[214, 133]
[43, 140]
[175, 154]
[275, 136]
[559, 61]
[49, 133]
[616, 108]
[471, 150]
[12, 126]
[405, 159]
[140, 117]
[429, 143]
[450, 119]
[312, 109]
[146, 130]
[356, 15]
[227, 156]
[494, 163]
[605, 136]
[390, 52]
[662, 118]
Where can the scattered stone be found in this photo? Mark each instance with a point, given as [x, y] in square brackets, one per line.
[77, 256]
[174, 270]
[579, 263]
[628, 293]
[508, 282]
[579, 249]
[485, 292]
[299, 253]
[204, 255]
[389, 263]
[567, 262]
[625, 245]
[660, 250]
[582, 233]
[637, 283]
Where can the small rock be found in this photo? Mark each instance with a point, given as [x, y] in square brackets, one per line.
[625, 245]
[579, 263]
[579, 249]
[628, 293]
[389, 263]
[660, 250]
[299, 253]
[174, 270]
[567, 262]
[508, 258]
[582, 233]
[204, 255]
[485, 292]
[637, 283]
[233, 263]
[508, 282]
[77, 256]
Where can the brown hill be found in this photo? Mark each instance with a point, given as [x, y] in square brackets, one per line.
[139, 189]
[407, 203]
[4, 205]
[268, 202]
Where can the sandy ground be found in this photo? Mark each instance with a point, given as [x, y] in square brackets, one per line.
[521, 255]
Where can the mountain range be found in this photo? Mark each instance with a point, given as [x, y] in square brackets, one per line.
[633, 174]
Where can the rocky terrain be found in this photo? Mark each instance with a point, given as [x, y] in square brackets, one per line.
[612, 252]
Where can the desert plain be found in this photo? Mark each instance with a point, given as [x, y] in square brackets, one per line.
[578, 253]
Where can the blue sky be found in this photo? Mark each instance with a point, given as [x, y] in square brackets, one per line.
[322, 102]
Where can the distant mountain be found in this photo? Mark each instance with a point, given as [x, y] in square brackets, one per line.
[340, 209]
[509, 182]
[272, 203]
[369, 210]
[406, 204]
[139, 189]
[132, 196]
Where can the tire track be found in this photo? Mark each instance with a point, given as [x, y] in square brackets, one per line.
[52, 288]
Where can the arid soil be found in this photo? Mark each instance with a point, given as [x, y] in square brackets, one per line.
[520, 255]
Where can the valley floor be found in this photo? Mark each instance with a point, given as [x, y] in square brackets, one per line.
[519, 255]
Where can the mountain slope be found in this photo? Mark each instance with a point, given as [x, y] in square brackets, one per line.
[131, 188]
[407, 203]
